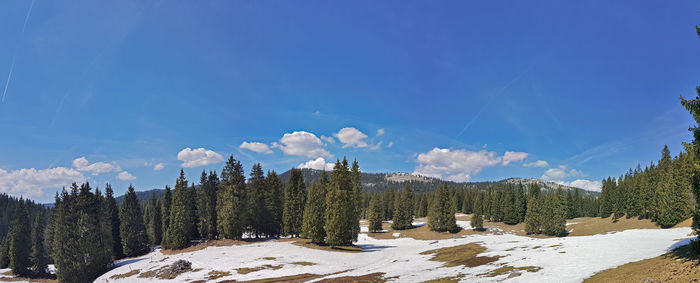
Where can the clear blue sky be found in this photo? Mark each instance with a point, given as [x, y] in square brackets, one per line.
[110, 91]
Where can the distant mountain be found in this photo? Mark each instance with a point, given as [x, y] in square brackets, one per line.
[377, 182]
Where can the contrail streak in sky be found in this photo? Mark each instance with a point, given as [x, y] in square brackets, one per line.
[14, 56]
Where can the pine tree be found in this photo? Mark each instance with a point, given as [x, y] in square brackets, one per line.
[403, 211]
[230, 203]
[5, 252]
[294, 200]
[105, 224]
[165, 206]
[207, 205]
[441, 214]
[20, 244]
[132, 229]
[511, 208]
[193, 226]
[256, 201]
[376, 214]
[423, 211]
[38, 256]
[111, 212]
[554, 220]
[533, 216]
[356, 177]
[340, 213]
[314, 213]
[177, 236]
[152, 220]
[273, 204]
[477, 221]
[389, 204]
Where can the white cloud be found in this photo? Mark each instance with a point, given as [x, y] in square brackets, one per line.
[584, 184]
[82, 164]
[351, 137]
[460, 165]
[511, 156]
[376, 146]
[198, 157]
[538, 163]
[391, 143]
[125, 176]
[256, 147]
[158, 167]
[560, 173]
[31, 182]
[302, 143]
[380, 132]
[328, 139]
[318, 164]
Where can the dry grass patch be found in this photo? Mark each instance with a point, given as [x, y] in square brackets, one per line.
[587, 226]
[304, 263]
[679, 265]
[23, 279]
[466, 255]
[286, 279]
[269, 258]
[246, 270]
[513, 271]
[367, 278]
[204, 245]
[451, 279]
[215, 274]
[418, 233]
[307, 244]
[125, 275]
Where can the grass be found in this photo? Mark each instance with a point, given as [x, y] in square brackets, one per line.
[367, 278]
[287, 279]
[451, 279]
[246, 270]
[418, 233]
[679, 265]
[595, 225]
[23, 279]
[215, 274]
[466, 255]
[304, 263]
[269, 258]
[513, 271]
[204, 245]
[125, 275]
[307, 244]
[156, 273]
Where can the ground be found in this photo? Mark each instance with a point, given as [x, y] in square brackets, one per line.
[502, 253]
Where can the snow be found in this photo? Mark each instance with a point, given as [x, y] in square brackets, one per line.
[567, 259]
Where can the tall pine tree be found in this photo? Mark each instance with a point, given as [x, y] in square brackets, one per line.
[403, 211]
[294, 200]
[20, 244]
[441, 215]
[132, 229]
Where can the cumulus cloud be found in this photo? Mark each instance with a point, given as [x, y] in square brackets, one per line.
[302, 143]
[351, 137]
[125, 176]
[511, 156]
[538, 163]
[560, 173]
[380, 132]
[391, 143]
[256, 147]
[318, 164]
[31, 182]
[460, 165]
[376, 146]
[328, 139]
[158, 167]
[82, 164]
[583, 184]
[198, 157]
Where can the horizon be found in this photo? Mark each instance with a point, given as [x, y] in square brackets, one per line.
[129, 93]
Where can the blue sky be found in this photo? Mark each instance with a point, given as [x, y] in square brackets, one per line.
[568, 91]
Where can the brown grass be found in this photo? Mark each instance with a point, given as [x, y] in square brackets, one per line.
[204, 245]
[125, 275]
[418, 233]
[269, 258]
[595, 225]
[307, 244]
[304, 263]
[246, 270]
[286, 279]
[451, 279]
[23, 279]
[155, 273]
[367, 278]
[466, 255]
[215, 274]
[513, 271]
[676, 266]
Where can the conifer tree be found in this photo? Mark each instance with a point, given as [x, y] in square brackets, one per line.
[230, 203]
[207, 205]
[554, 222]
[356, 177]
[294, 200]
[177, 236]
[403, 211]
[111, 212]
[193, 226]
[533, 217]
[166, 204]
[340, 213]
[5, 252]
[511, 208]
[376, 214]
[314, 213]
[20, 244]
[477, 220]
[441, 214]
[259, 216]
[132, 229]
[389, 204]
[105, 224]
[152, 220]
[274, 194]
[423, 210]
[38, 256]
